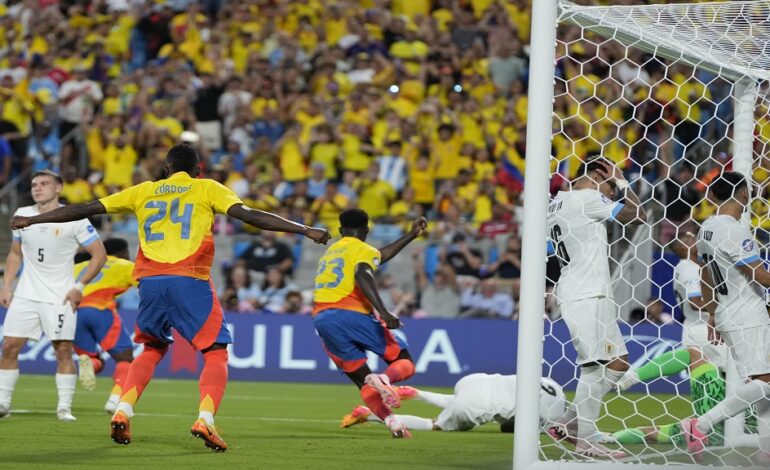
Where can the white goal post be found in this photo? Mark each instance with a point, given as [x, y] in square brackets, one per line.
[737, 51]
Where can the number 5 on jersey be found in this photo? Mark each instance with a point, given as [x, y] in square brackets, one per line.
[184, 219]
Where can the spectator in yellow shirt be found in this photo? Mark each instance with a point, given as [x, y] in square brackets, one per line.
[326, 209]
[75, 189]
[374, 195]
[119, 162]
[422, 181]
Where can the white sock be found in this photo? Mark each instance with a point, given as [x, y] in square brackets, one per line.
[125, 408]
[744, 396]
[8, 379]
[442, 400]
[630, 379]
[206, 416]
[412, 422]
[588, 400]
[65, 385]
[569, 418]
[763, 423]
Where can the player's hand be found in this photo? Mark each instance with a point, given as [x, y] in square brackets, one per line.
[318, 235]
[18, 222]
[610, 171]
[74, 296]
[419, 226]
[714, 336]
[391, 321]
[6, 294]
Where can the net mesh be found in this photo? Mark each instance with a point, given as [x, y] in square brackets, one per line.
[652, 89]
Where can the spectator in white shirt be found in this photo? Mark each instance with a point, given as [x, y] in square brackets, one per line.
[483, 300]
[77, 99]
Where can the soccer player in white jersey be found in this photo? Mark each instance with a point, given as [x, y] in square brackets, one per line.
[47, 295]
[578, 233]
[478, 399]
[734, 276]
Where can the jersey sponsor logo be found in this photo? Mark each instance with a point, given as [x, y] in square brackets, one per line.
[748, 245]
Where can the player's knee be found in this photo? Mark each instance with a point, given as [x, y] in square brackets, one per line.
[408, 369]
[64, 350]
[11, 349]
[124, 356]
[619, 365]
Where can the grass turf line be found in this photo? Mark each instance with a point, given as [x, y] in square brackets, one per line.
[267, 425]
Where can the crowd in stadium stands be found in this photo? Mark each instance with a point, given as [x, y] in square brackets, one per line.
[306, 107]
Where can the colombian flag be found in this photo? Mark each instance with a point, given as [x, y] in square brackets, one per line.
[512, 173]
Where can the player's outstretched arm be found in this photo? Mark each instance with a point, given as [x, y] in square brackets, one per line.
[756, 272]
[12, 265]
[61, 214]
[390, 251]
[272, 222]
[365, 282]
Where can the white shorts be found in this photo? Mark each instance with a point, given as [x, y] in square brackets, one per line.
[697, 336]
[593, 325]
[750, 349]
[28, 319]
[459, 415]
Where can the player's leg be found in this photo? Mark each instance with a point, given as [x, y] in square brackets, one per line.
[59, 324]
[665, 365]
[198, 316]
[22, 322]
[152, 330]
[123, 360]
[414, 423]
[86, 341]
[114, 339]
[372, 334]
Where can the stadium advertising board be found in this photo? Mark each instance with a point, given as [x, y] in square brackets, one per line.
[286, 348]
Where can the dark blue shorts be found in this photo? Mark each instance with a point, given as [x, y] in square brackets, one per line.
[188, 305]
[347, 335]
[100, 328]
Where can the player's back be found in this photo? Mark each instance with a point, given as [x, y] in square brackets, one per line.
[48, 252]
[335, 281]
[724, 244]
[576, 224]
[687, 285]
[115, 277]
[175, 217]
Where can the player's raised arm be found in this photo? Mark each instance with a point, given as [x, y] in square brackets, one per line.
[12, 265]
[365, 281]
[275, 223]
[389, 251]
[632, 211]
[60, 214]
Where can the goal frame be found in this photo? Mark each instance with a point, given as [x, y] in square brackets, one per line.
[545, 22]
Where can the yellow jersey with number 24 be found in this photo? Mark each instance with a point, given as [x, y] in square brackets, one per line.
[175, 217]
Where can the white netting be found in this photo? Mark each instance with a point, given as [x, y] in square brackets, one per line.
[653, 89]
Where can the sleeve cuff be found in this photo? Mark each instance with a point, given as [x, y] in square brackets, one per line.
[90, 240]
[748, 260]
[618, 207]
[16, 238]
[549, 249]
[694, 294]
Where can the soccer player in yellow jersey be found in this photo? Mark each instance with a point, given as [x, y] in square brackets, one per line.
[345, 301]
[176, 249]
[99, 325]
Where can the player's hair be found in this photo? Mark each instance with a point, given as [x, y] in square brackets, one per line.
[354, 218]
[725, 186]
[113, 246]
[56, 176]
[182, 157]
[591, 163]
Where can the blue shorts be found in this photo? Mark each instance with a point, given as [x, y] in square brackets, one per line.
[188, 305]
[347, 335]
[100, 328]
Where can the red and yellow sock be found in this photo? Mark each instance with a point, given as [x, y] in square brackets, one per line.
[374, 402]
[119, 377]
[140, 373]
[400, 370]
[213, 382]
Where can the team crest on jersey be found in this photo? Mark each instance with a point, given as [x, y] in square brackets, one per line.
[747, 245]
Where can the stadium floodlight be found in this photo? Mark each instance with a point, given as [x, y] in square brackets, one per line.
[598, 76]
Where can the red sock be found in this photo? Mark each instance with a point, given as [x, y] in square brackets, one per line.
[374, 401]
[400, 370]
[140, 372]
[213, 380]
[97, 363]
[119, 376]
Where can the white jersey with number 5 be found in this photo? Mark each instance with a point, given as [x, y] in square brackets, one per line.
[687, 286]
[48, 253]
[724, 244]
[578, 234]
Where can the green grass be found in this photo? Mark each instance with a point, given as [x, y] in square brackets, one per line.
[267, 425]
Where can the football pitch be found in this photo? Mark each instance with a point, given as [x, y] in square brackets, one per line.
[267, 425]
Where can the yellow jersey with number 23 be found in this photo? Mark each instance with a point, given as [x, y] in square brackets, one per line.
[335, 281]
[175, 217]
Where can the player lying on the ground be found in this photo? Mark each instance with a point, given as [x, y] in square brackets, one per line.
[344, 305]
[99, 327]
[478, 399]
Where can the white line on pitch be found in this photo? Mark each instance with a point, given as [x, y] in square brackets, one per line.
[173, 415]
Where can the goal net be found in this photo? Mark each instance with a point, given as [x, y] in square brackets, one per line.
[674, 95]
